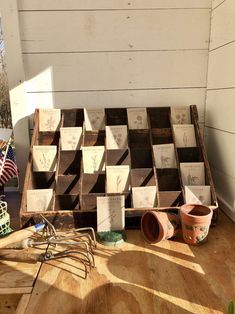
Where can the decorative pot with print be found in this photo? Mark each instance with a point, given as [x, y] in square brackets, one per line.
[195, 221]
[158, 225]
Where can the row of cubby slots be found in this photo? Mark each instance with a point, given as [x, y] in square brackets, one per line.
[75, 190]
[158, 117]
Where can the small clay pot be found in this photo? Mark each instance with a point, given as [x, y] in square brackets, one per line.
[157, 226]
[195, 221]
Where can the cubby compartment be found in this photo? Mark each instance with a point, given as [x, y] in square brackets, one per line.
[159, 117]
[42, 180]
[69, 162]
[143, 177]
[117, 157]
[116, 116]
[66, 202]
[67, 184]
[189, 154]
[169, 188]
[139, 138]
[92, 185]
[48, 138]
[72, 118]
[168, 179]
[141, 158]
[161, 136]
[94, 138]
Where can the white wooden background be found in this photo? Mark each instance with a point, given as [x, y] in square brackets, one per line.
[79, 53]
[220, 103]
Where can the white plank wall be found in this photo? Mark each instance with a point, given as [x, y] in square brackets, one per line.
[115, 53]
[45, 5]
[220, 109]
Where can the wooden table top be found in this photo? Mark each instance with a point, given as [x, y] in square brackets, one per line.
[137, 277]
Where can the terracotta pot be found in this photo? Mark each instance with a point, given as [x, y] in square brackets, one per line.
[195, 221]
[157, 226]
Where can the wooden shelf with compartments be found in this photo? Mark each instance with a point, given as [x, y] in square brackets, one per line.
[75, 191]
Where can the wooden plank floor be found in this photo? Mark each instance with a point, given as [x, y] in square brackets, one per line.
[169, 277]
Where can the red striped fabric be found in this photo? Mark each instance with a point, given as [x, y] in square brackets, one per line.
[8, 168]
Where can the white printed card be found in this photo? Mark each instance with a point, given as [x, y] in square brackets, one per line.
[118, 179]
[198, 194]
[93, 159]
[49, 119]
[144, 196]
[164, 156]
[184, 135]
[180, 115]
[192, 173]
[94, 119]
[44, 157]
[137, 118]
[39, 200]
[110, 213]
[71, 138]
[116, 137]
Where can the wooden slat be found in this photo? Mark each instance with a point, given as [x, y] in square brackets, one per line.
[128, 98]
[109, 4]
[18, 290]
[143, 278]
[221, 72]
[114, 31]
[223, 24]
[221, 150]
[24, 300]
[220, 109]
[107, 71]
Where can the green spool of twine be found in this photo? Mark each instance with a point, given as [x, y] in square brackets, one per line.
[111, 238]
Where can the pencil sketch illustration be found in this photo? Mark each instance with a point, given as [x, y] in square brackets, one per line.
[165, 161]
[181, 118]
[185, 139]
[112, 216]
[192, 179]
[138, 122]
[72, 142]
[94, 162]
[50, 124]
[118, 182]
[145, 202]
[40, 203]
[44, 161]
[95, 120]
[118, 139]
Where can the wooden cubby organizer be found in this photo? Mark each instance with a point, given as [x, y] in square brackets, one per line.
[75, 192]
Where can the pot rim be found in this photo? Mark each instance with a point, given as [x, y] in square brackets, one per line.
[185, 212]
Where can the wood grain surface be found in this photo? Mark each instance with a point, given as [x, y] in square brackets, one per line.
[168, 277]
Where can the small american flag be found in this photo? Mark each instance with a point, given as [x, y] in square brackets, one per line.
[8, 168]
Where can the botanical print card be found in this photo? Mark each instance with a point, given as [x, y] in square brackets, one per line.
[116, 137]
[94, 119]
[198, 194]
[71, 138]
[118, 179]
[49, 119]
[93, 159]
[164, 156]
[144, 196]
[39, 200]
[180, 115]
[44, 157]
[110, 213]
[192, 173]
[184, 135]
[137, 118]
